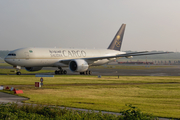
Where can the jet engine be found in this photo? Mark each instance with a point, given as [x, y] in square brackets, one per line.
[31, 69]
[78, 65]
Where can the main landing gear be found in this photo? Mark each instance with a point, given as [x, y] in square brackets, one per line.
[60, 71]
[88, 72]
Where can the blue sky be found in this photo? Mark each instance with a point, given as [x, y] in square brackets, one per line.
[151, 24]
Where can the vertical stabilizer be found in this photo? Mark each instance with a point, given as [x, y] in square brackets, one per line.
[117, 41]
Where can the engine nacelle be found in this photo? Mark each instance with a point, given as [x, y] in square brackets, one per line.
[78, 65]
[31, 69]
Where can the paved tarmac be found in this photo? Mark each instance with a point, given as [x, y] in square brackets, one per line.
[174, 71]
[6, 98]
[144, 70]
[165, 70]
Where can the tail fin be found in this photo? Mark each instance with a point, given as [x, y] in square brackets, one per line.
[117, 41]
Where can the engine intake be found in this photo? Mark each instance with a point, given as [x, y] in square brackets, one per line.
[79, 65]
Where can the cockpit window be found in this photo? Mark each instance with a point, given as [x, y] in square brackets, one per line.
[11, 54]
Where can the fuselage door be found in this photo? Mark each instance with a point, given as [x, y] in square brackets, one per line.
[27, 55]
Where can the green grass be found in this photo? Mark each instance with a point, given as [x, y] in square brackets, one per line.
[30, 112]
[78, 79]
[158, 99]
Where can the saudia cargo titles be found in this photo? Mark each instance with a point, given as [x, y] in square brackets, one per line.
[78, 60]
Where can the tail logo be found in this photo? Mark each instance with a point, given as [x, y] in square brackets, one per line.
[118, 42]
[118, 37]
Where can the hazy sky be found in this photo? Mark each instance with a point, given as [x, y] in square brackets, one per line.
[150, 24]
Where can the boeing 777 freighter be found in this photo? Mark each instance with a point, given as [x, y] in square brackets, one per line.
[78, 60]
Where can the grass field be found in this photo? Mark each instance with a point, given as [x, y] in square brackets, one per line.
[14, 111]
[159, 96]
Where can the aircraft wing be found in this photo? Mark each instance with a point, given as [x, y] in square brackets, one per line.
[93, 59]
[127, 55]
[141, 53]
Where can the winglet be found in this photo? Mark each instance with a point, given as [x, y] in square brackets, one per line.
[117, 41]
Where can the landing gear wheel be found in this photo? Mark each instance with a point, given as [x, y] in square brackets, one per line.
[85, 73]
[18, 73]
[81, 73]
[56, 72]
[64, 72]
[61, 72]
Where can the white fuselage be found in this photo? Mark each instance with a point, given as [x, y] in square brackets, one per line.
[51, 57]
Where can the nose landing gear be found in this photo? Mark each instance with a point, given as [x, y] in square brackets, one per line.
[18, 70]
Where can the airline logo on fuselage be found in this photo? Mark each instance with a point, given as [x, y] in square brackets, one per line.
[30, 51]
[67, 53]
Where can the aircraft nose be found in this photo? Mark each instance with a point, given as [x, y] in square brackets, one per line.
[5, 59]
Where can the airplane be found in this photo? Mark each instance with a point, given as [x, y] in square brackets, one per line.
[78, 60]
